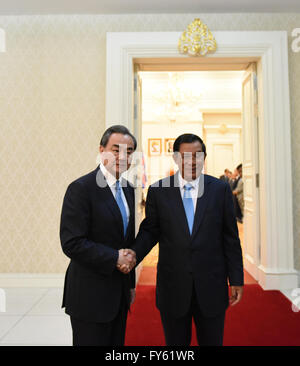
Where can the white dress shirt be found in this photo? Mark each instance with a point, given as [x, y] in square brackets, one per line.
[194, 191]
[111, 181]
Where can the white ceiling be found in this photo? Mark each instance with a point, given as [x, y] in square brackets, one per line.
[18, 7]
[218, 90]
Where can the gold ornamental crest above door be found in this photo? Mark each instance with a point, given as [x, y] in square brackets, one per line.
[197, 40]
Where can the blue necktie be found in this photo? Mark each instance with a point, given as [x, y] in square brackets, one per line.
[188, 206]
[121, 205]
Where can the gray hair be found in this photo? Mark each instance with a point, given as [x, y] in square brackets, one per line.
[116, 129]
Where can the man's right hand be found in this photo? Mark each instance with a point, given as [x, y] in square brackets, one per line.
[126, 260]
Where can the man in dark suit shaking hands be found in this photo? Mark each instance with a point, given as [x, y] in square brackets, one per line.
[192, 217]
[97, 222]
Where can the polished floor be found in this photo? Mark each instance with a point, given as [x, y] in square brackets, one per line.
[34, 317]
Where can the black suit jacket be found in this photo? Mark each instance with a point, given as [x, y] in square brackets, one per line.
[205, 259]
[91, 233]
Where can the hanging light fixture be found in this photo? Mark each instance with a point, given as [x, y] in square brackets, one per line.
[179, 99]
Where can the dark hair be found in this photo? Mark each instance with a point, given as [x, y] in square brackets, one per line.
[116, 129]
[188, 138]
[239, 167]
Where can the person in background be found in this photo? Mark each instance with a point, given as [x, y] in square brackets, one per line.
[238, 192]
[226, 176]
[234, 183]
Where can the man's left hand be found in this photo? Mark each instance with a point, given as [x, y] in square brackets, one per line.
[236, 294]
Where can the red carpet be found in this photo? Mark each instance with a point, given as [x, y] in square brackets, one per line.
[263, 318]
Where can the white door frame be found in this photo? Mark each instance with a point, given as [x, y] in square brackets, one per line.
[276, 268]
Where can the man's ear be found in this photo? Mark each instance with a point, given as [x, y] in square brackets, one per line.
[102, 155]
[177, 158]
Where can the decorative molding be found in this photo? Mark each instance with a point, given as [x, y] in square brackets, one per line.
[197, 40]
[158, 122]
[8, 280]
[274, 279]
[217, 127]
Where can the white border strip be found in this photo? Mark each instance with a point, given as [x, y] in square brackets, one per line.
[31, 280]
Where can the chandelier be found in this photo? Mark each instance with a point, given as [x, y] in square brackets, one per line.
[179, 99]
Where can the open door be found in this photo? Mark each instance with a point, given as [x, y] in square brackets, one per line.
[251, 241]
[139, 172]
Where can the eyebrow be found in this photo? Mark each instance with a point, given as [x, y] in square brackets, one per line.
[184, 152]
[117, 146]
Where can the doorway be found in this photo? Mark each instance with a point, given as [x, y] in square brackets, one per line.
[208, 103]
[269, 90]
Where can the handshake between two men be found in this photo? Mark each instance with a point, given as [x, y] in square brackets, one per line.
[126, 261]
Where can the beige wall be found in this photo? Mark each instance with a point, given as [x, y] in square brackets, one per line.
[52, 100]
[220, 118]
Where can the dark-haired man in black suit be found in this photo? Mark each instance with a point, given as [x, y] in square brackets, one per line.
[192, 217]
[97, 223]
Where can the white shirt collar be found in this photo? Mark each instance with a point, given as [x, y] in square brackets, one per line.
[110, 179]
[182, 182]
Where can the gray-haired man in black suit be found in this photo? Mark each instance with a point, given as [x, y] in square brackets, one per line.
[97, 223]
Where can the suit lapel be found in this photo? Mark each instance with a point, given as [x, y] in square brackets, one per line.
[177, 204]
[203, 194]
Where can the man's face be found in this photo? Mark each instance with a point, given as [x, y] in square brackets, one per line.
[190, 160]
[116, 156]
